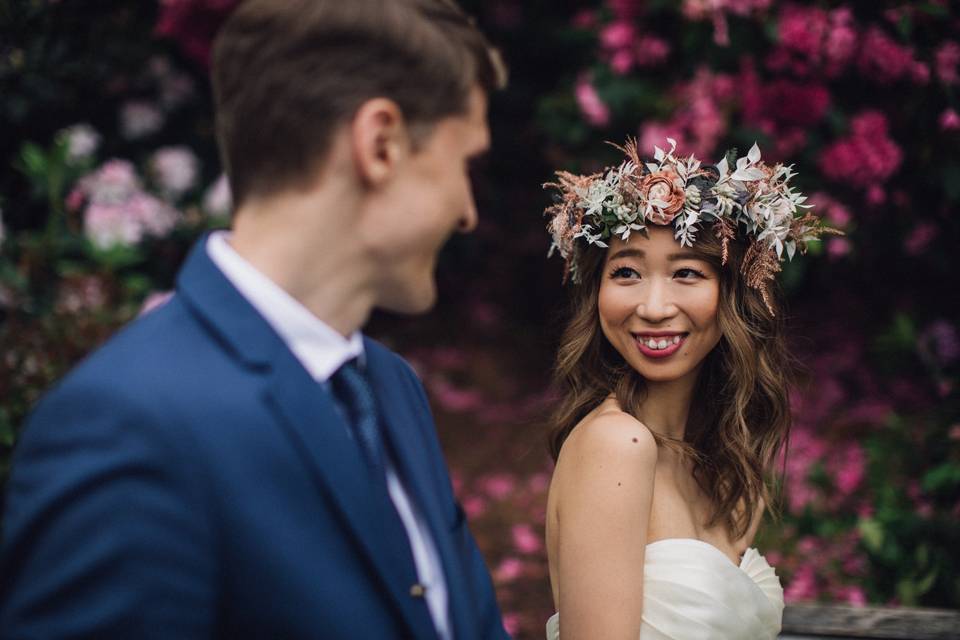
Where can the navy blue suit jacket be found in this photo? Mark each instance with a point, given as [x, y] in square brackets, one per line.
[191, 480]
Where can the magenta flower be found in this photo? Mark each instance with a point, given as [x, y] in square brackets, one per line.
[949, 120]
[920, 238]
[193, 24]
[525, 540]
[884, 61]
[947, 61]
[866, 158]
[591, 104]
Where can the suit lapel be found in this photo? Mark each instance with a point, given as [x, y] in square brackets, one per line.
[398, 416]
[307, 414]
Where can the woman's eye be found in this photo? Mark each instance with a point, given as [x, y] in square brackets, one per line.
[688, 274]
[624, 272]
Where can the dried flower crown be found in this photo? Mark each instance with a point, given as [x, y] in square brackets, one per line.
[753, 199]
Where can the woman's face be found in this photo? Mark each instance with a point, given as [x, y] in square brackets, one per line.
[658, 305]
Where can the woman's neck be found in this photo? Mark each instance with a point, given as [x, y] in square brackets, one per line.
[666, 406]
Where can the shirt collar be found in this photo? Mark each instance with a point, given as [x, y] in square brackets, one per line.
[318, 347]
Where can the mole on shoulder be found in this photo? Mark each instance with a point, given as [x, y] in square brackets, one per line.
[618, 484]
[634, 439]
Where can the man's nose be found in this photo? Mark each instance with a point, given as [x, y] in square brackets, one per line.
[656, 303]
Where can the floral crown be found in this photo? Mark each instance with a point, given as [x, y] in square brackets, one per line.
[753, 200]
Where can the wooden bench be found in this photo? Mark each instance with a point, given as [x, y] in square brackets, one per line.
[834, 622]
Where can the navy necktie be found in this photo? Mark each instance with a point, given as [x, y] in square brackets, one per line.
[353, 391]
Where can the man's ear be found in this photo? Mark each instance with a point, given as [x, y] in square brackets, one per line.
[380, 139]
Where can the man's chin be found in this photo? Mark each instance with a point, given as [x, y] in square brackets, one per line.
[411, 301]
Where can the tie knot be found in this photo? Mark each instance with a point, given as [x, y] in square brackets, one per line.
[352, 388]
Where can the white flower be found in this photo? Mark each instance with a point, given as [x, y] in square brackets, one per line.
[82, 141]
[139, 119]
[175, 170]
[218, 200]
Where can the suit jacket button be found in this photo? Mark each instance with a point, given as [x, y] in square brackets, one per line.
[418, 591]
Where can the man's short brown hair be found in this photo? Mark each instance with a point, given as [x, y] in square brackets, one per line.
[287, 74]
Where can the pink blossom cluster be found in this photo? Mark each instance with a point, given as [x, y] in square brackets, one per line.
[813, 40]
[193, 24]
[825, 568]
[783, 109]
[885, 61]
[175, 170]
[866, 158]
[717, 11]
[118, 210]
[948, 63]
[592, 106]
[699, 122]
[80, 293]
[624, 47]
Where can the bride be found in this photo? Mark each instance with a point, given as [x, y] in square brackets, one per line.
[673, 375]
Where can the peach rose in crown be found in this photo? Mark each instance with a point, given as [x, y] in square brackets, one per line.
[666, 188]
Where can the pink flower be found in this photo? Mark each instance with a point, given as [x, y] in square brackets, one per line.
[835, 212]
[651, 51]
[884, 61]
[155, 300]
[509, 569]
[175, 170]
[119, 212]
[218, 199]
[81, 293]
[865, 158]
[622, 61]
[947, 60]
[852, 595]
[848, 467]
[920, 238]
[193, 24]
[618, 35]
[82, 141]
[139, 119]
[949, 120]
[591, 105]
[511, 623]
[498, 485]
[453, 399]
[474, 506]
[525, 540]
[803, 586]
[838, 248]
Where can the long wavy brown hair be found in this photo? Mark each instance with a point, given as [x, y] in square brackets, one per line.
[740, 414]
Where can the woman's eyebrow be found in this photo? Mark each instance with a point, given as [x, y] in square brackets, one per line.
[628, 253]
[686, 255]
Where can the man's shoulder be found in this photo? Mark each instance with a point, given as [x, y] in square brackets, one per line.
[152, 362]
[383, 357]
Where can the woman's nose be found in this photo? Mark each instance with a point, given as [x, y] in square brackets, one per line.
[655, 304]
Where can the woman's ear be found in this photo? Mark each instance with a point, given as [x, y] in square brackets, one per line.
[379, 140]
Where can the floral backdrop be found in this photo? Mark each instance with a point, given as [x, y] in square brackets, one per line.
[110, 172]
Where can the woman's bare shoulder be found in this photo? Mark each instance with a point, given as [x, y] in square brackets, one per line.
[608, 434]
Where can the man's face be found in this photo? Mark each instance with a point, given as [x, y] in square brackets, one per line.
[430, 198]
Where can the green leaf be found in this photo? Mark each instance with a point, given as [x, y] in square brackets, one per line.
[872, 533]
[944, 478]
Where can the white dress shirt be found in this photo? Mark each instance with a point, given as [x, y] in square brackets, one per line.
[321, 351]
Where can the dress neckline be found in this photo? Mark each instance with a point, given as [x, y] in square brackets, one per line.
[704, 543]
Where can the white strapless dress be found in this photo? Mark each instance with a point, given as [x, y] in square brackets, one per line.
[691, 590]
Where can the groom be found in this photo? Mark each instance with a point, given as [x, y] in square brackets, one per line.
[243, 462]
